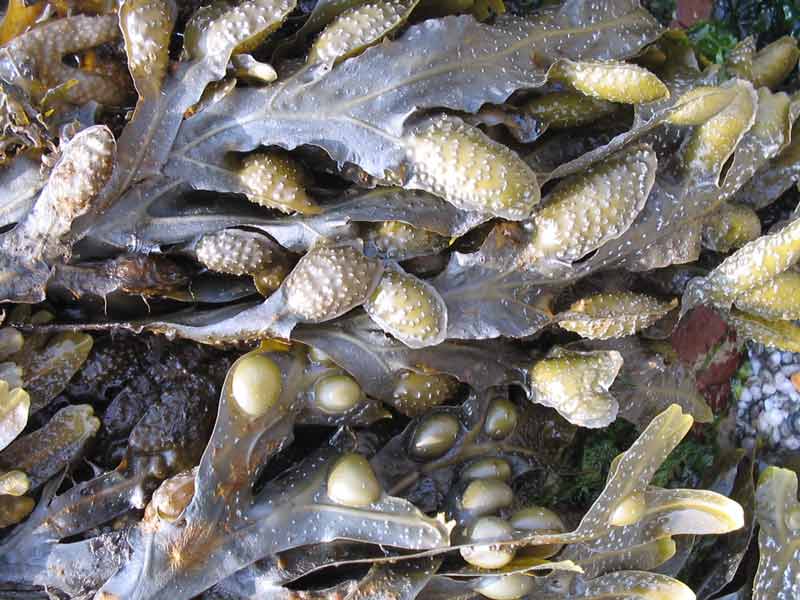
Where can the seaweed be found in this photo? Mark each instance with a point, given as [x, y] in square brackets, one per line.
[766, 19]
[449, 246]
[776, 513]
[713, 40]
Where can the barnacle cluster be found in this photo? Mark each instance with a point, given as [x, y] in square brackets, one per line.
[392, 299]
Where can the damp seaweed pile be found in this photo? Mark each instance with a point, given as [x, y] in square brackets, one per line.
[398, 300]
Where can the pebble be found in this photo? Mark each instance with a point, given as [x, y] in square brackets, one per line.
[796, 422]
[775, 417]
[746, 397]
[768, 401]
[762, 424]
[772, 403]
